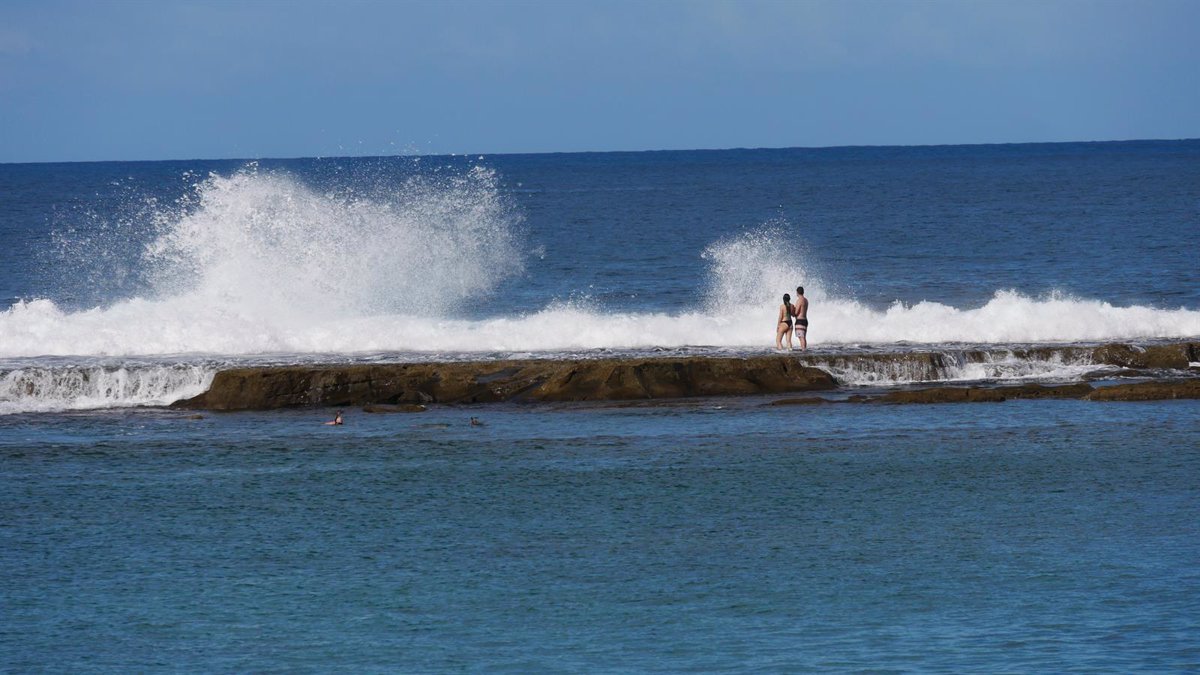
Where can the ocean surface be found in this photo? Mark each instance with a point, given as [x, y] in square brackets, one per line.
[719, 534]
[132, 283]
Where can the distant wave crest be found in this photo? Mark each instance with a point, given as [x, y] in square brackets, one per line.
[260, 263]
[260, 266]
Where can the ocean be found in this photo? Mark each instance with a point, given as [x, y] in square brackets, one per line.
[707, 534]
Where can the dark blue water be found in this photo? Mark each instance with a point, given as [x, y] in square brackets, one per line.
[716, 535]
[477, 257]
[1027, 536]
[951, 224]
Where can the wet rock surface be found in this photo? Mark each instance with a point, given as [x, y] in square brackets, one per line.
[1171, 356]
[1148, 391]
[807, 400]
[1079, 390]
[944, 395]
[985, 394]
[483, 382]
[394, 408]
[409, 387]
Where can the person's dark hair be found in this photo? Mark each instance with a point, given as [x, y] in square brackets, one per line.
[786, 298]
[800, 290]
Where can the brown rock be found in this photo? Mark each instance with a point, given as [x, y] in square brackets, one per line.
[1079, 390]
[808, 400]
[1154, 356]
[1113, 375]
[394, 408]
[1148, 391]
[914, 366]
[977, 394]
[944, 395]
[481, 382]
[633, 379]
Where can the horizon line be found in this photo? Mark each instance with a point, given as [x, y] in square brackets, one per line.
[598, 152]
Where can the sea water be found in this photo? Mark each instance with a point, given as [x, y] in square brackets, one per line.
[1046, 536]
[717, 534]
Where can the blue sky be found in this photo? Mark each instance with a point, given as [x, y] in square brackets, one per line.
[177, 80]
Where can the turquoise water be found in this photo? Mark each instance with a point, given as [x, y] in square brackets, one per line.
[716, 535]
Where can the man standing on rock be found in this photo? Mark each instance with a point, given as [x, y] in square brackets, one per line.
[801, 318]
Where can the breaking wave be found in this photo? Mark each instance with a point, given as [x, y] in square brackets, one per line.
[263, 264]
[258, 262]
[145, 327]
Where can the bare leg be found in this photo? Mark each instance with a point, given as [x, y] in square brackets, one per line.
[802, 333]
[780, 329]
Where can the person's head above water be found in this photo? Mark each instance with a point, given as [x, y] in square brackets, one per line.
[799, 290]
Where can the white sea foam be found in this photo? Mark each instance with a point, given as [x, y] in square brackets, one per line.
[259, 263]
[956, 366]
[53, 388]
[266, 245]
[144, 327]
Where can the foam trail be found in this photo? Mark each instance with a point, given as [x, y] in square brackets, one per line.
[1008, 317]
[140, 327]
[258, 263]
[36, 388]
[835, 323]
[959, 366]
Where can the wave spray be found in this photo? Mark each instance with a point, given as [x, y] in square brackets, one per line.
[260, 263]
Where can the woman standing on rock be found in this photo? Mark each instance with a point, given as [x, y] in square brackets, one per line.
[784, 324]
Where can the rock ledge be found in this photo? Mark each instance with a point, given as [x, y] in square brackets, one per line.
[266, 388]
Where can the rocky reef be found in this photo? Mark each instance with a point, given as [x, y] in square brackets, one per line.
[930, 366]
[1148, 391]
[985, 394]
[1157, 390]
[492, 381]
[408, 387]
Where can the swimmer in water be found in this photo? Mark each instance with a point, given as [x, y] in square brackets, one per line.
[336, 421]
